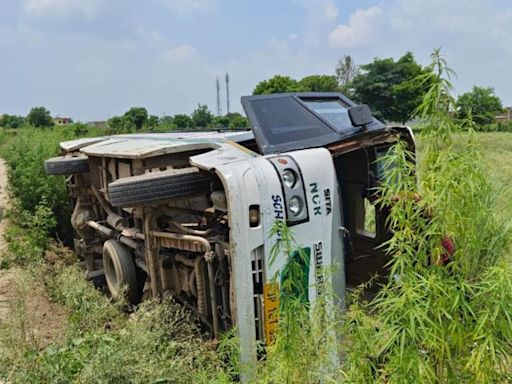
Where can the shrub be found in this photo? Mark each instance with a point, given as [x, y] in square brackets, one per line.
[505, 126]
[32, 190]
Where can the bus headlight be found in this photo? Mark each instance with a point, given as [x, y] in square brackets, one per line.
[289, 178]
[295, 205]
[294, 191]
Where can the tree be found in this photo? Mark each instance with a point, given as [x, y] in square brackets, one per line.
[278, 84]
[346, 70]
[40, 117]
[201, 116]
[11, 121]
[319, 83]
[230, 120]
[153, 121]
[390, 88]
[236, 120]
[120, 124]
[481, 103]
[183, 121]
[166, 120]
[220, 122]
[138, 116]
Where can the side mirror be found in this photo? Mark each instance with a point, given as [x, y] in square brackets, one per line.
[360, 115]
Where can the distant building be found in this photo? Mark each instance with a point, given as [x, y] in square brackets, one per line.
[62, 120]
[505, 116]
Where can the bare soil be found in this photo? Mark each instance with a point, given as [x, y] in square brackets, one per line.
[4, 275]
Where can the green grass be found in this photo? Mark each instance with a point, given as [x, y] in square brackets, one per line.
[496, 148]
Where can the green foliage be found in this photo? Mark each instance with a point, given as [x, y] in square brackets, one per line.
[201, 117]
[153, 121]
[238, 121]
[278, 84]
[134, 120]
[166, 120]
[481, 103]
[231, 120]
[281, 84]
[387, 86]
[183, 121]
[33, 192]
[27, 243]
[40, 117]
[431, 323]
[28, 182]
[119, 124]
[137, 116]
[320, 83]
[155, 344]
[11, 121]
[304, 350]
[505, 126]
[221, 122]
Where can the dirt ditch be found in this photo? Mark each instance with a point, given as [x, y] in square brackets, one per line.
[5, 275]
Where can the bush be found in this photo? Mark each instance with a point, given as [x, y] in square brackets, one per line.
[505, 126]
[28, 244]
[32, 190]
[11, 121]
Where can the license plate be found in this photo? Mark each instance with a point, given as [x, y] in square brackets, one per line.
[271, 311]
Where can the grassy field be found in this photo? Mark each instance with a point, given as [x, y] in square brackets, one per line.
[497, 150]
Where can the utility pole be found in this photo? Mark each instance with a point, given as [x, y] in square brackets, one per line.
[227, 92]
[219, 109]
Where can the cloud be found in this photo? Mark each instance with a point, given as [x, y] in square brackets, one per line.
[191, 5]
[181, 53]
[476, 42]
[329, 10]
[320, 11]
[62, 8]
[358, 30]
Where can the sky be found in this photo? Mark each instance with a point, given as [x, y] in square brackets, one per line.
[93, 59]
